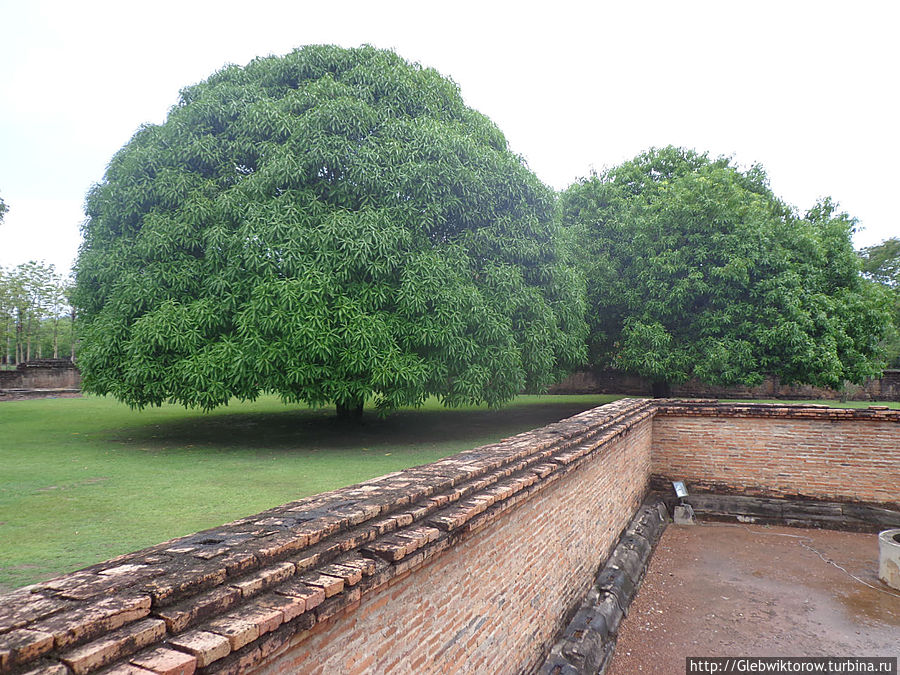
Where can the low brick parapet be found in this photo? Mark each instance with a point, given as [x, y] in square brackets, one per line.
[785, 411]
[800, 452]
[225, 599]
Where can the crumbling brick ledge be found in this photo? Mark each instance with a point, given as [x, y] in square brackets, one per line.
[588, 641]
[471, 562]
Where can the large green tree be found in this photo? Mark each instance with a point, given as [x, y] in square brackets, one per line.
[696, 269]
[331, 225]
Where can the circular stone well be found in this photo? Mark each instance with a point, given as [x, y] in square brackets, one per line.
[889, 558]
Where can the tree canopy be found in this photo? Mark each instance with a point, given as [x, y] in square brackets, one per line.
[881, 263]
[330, 225]
[3, 209]
[696, 269]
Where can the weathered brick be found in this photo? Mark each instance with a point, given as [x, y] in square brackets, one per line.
[306, 561]
[238, 630]
[238, 562]
[420, 535]
[204, 645]
[267, 616]
[48, 668]
[384, 525]
[350, 575]
[89, 621]
[281, 546]
[336, 604]
[537, 478]
[23, 645]
[264, 578]
[289, 606]
[237, 663]
[199, 607]
[126, 669]
[365, 565]
[185, 580]
[331, 585]
[390, 547]
[165, 661]
[113, 646]
[312, 596]
[24, 606]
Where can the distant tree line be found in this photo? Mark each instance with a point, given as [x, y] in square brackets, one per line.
[36, 317]
[881, 264]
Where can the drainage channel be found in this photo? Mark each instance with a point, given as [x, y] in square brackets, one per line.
[587, 643]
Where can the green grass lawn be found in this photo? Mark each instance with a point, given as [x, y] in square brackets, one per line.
[85, 479]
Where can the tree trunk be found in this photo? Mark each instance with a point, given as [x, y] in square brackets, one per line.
[350, 411]
[661, 389]
[19, 334]
[56, 337]
[28, 340]
[72, 336]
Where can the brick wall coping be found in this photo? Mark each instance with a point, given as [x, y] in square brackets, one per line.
[714, 408]
[225, 599]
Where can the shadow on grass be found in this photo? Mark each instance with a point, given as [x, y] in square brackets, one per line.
[318, 429]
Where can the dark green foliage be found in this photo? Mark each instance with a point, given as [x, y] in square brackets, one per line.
[330, 225]
[881, 263]
[695, 269]
[3, 209]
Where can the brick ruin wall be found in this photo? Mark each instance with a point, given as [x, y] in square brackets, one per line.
[470, 563]
[800, 452]
[885, 388]
[493, 603]
[41, 374]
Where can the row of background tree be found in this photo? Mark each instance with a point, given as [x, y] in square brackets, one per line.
[36, 316]
[336, 225]
[695, 269]
[881, 264]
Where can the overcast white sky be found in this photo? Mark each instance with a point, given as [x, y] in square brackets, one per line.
[808, 89]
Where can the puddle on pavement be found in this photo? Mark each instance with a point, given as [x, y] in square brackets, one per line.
[870, 604]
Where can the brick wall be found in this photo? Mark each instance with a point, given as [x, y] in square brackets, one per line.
[886, 388]
[494, 603]
[780, 451]
[468, 562]
[471, 563]
[42, 374]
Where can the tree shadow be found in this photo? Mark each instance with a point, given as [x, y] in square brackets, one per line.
[300, 429]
